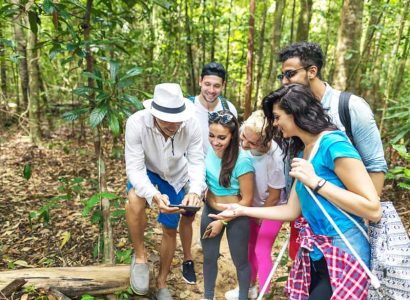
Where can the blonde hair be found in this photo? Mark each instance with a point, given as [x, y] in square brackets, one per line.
[256, 122]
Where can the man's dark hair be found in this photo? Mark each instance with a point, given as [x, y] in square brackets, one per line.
[214, 68]
[310, 54]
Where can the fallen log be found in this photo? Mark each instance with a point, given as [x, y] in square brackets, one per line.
[73, 281]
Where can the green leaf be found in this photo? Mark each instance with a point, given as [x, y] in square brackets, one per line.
[90, 204]
[87, 297]
[401, 149]
[165, 4]
[48, 6]
[27, 171]
[404, 185]
[33, 19]
[83, 91]
[281, 279]
[97, 217]
[114, 67]
[90, 75]
[114, 125]
[133, 100]
[74, 114]
[132, 73]
[97, 116]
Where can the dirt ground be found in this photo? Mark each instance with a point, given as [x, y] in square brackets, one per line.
[69, 239]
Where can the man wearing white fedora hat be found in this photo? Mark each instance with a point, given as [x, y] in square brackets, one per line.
[165, 165]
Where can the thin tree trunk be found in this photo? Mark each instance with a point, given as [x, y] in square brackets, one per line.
[292, 24]
[402, 65]
[3, 71]
[214, 25]
[249, 60]
[376, 14]
[228, 40]
[190, 56]
[393, 66]
[259, 63]
[275, 46]
[305, 16]
[108, 256]
[348, 43]
[34, 106]
[21, 41]
[204, 32]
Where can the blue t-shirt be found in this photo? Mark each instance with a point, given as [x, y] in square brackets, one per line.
[213, 169]
[332, 146]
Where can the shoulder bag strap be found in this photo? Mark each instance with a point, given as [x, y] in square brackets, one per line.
[344, 114]
[224, 103]
[373, 279]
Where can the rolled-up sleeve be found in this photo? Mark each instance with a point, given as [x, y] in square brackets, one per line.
[367, 136]
[196, 161]
[135, 160]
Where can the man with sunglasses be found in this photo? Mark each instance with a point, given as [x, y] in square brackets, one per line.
[212, 83]
[302, 63]
[165, 166]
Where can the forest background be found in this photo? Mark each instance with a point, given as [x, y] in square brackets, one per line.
[71, 72]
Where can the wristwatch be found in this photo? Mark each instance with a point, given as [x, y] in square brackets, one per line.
[320, 184]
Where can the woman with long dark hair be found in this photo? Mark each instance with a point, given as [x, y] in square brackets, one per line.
[229, 176]
[325, 267]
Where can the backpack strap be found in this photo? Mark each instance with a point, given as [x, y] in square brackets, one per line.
[191, 98]
[344, 114]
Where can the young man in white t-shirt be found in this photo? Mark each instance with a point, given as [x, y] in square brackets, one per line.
[212, 83]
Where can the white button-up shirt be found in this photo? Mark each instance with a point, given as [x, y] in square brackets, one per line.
[176, 162]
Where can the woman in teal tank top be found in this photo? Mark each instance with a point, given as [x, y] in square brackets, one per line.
[229, 176]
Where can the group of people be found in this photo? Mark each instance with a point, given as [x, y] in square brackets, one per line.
[250, 178]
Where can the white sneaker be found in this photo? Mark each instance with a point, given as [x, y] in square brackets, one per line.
[234, 294]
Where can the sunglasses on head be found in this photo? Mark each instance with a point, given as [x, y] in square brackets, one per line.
[288, 74]
[222, 117]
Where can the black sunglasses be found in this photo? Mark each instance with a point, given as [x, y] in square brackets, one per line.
[224, 118]
[290, 73]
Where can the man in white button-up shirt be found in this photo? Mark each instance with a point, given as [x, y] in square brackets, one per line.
[165, 165]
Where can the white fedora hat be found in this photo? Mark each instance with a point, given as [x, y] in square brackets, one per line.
[168, 103]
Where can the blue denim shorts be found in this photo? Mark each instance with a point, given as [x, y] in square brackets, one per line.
[358, 242]
[168, 220]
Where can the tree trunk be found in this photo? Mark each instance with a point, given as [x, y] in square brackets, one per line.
[204, 32]
[228, 40]
[275, 46]
[3, 71]
[402, 65]
[249, 60]
[214, 25]
[34, 106]
[359, 72]
[190, 56]
[292, 24]
[393, 65]
[73, 281]
[348, 43]
[259, 63]
[108, 256]
[21, 41]
[305, 16]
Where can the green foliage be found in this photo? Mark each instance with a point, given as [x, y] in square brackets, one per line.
[123, 257]
[125, 295]
[27, 171]
[398, 119]
[401, 174]
[68, 189]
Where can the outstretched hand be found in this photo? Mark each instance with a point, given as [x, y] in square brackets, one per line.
[229, 211]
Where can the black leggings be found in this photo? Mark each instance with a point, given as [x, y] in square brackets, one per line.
[320, 287]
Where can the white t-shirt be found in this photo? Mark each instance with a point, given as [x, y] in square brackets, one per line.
[268, 173]
[202, 116]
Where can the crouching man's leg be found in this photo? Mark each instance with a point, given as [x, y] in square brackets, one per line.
[137, 222]
[185, 232]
